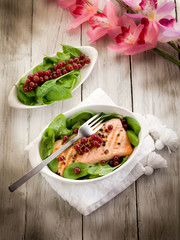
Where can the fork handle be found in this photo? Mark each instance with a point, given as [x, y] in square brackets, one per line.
[35, 170]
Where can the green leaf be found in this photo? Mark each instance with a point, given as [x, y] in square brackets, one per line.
[63, 56]
[107, 117]
[43, 100]
[43, 67]
[22, 80]
[47, 143]
[58, 93]
[51, 60]
[132, 138]
[69, 171]
[30, 101]
[45, 88]
[58, 125]
[74, 52]
[53, 165]
[81, 117]
[28, 94]
[134, 125]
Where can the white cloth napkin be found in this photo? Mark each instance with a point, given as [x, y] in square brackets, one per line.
[88, 197]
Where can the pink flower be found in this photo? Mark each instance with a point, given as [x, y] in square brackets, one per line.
[134, 39]
[101, 23]
[83, 11]
[169, 31]
[66, 3]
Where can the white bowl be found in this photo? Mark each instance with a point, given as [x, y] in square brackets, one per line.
[85, 71]
[33, 147]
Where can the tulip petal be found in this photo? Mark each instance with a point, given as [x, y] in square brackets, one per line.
[118, 48]
[112, 14]
[165, 8]
[113, 32]
[96, 33]
[79, 20]
[95, 5]
[135, 16]
[138, 49]
[134, 4]
[65, 3]
[126, 21]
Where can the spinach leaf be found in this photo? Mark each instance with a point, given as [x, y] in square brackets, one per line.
[74, 52]
[22, 80]
[69, 171]
[132, 137]
[43, 67]
[47, 143]
[107, 117]
[79, 118]
[28, 94]
[53, 165]
[134, 125]
[43, 100]
[30, 101]
[63, 56]
[52, 60]
[58, 93]
[58, 125]
[45, 88]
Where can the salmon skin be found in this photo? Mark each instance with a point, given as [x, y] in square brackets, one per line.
[115, 142]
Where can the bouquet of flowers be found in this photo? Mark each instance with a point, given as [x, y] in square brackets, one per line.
[145, 24]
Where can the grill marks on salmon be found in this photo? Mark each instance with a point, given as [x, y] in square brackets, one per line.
[116, 142]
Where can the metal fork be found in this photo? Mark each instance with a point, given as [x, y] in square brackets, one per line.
[88, 128]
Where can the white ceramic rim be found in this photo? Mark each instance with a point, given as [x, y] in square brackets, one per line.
[88, 50]
[110, 109]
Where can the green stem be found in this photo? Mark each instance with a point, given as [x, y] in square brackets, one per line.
[166, 55]
[125, 6]
[173, 45]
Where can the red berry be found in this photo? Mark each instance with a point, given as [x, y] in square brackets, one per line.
[40, 73]
[30, 76]
[82, 56]
[54, 75]
[28, 81]
[111, 163]
[61, 158]
[47, 72]
[110, 127]
[25, 89]
[64, 71]
[70, 60]
[46, 78]
[59, 65]
[106, 130]
[103, 162]
[79, 66]
[35, 85]
[84, 140]
[30, 89]
[99, 139]
[41, 79]
[65, 138]
[77, 146]
[116, 163]
[123, 120]
[93, 136]
[50, 77]
[55, 67]
[87, 60]
[86, 149]
[77, 170]
[63, 63]
[36, 79]
[31, 84]
[80, 152]
[82, 63]
[69, 68]
[75, 130]
[90, 145]
[76, 59]
[126, 126]
[75, 66]
[25, 84]
[58, 71]
[36, 74]
[96, 144]
[116, 158]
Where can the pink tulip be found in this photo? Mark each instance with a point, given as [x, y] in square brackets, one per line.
[66, 3]
[83, 12]
[134, 39]
[169, 31]
[101, 23]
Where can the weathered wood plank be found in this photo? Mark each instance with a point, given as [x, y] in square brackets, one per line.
[117, 218]
[55, 218]
[15, 42]
[156, 90]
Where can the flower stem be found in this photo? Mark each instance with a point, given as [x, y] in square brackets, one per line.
[166, 55]
[173, 45]
[125, 6]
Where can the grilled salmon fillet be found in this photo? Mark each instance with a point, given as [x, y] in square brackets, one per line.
[115, 142]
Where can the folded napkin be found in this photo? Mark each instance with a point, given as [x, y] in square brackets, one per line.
[87, 197]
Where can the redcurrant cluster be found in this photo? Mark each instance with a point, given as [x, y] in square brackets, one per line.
[38, 78]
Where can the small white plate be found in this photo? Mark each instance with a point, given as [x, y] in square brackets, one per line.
[85, 71]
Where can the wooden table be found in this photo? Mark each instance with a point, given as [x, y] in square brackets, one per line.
[150, 208]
